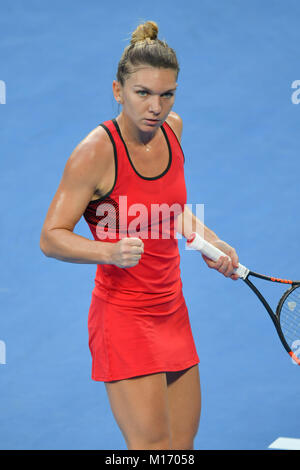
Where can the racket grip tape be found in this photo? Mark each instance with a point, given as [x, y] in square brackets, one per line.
[210, 251]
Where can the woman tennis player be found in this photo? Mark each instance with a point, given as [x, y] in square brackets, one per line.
[140, 337]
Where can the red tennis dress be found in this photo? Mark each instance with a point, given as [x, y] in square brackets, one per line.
[138, 320]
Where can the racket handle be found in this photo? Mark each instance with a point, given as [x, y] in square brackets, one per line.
[210, 251]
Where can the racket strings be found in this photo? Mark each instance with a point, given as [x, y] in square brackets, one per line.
[290, 325]
[290, 317]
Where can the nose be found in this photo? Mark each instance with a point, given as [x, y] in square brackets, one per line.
[155, 105]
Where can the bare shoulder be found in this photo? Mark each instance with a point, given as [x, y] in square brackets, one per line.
[175, 122]
[89, 162]
[94, 150]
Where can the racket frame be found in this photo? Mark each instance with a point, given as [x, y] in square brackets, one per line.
[197, 242]
[275, 316]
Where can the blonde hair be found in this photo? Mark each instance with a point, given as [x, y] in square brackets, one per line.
[145, 32]
[146, 49]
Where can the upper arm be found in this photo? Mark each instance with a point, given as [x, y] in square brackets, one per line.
[175, 122]
[82, 173]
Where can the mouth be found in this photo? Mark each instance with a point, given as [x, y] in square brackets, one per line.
[152, 121]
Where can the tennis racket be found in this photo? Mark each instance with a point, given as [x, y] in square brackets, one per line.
[286, 319]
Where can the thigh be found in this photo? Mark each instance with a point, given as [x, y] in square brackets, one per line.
[140, 407]
[184, 398]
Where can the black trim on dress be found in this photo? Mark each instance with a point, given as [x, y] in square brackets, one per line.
[141, 176]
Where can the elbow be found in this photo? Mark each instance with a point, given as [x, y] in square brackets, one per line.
[44, 246]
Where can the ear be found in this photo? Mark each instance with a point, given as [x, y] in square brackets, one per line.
[117, 91]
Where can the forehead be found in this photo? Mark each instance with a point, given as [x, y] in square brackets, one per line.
[153, 78]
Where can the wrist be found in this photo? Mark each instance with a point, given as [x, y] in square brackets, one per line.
[104, 252]
[210, 236]
[109, 252]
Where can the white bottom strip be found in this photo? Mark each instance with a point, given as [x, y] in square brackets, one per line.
[285, 443]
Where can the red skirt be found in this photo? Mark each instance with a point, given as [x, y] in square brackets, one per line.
[132, 341]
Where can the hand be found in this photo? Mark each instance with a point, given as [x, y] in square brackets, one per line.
[224, 264]
[127, 252]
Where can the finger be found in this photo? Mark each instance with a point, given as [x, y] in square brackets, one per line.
[231, 271]
[235, 264]
[224, 267]
[134, 259]
[235, 260]
[137, 250]
[135, 241]
[212, 264]
[208, 261]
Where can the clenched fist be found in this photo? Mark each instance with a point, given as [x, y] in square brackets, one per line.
[127, 252]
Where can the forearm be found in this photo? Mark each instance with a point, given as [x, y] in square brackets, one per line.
[189, 223]
[65, 245]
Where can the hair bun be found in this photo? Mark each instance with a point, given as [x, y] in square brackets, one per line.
[148, 30]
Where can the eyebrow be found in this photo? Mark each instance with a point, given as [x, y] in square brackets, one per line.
[148, 89]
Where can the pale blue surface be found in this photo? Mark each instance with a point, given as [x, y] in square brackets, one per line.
[241, 143]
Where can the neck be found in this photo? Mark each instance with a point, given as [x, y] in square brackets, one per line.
[132, 133]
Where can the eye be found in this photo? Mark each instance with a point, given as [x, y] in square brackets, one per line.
[142, 92]
[168, 95]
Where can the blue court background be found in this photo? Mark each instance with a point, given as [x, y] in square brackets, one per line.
[241, 142]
